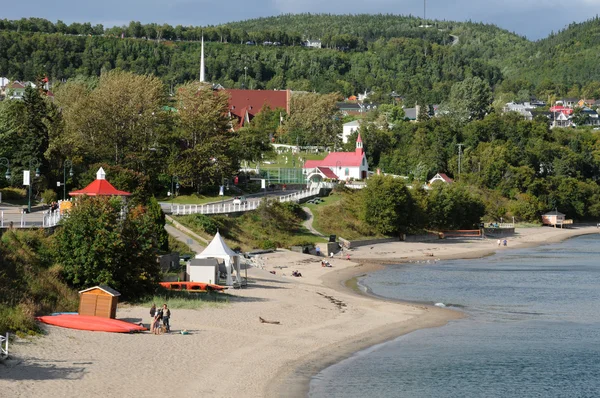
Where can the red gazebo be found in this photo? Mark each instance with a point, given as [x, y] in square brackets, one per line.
[100, 187]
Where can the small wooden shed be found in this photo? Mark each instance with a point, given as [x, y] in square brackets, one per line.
[99, 301]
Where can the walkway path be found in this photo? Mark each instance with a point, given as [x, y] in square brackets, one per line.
[308, 224]
[185, 235]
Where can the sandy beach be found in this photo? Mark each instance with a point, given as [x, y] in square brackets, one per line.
[228, 352]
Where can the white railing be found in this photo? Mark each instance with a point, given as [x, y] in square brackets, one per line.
[4, 346]
[29, 220]
[296, 196]
[223, 208]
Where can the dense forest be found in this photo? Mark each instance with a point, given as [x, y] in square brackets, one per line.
[380, 53]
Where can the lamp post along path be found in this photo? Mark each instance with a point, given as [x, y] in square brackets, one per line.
[33, 163]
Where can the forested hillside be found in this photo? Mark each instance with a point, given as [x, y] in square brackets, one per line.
[382, 53]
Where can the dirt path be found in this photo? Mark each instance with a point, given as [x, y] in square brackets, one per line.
[308, 224]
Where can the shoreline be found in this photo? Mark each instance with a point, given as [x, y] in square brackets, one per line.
[308, 367]
[319, 319]
[304, 369]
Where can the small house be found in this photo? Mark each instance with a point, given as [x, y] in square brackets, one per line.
[553, 218]
[99, 301]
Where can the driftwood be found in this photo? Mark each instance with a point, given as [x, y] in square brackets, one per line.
[262, 320]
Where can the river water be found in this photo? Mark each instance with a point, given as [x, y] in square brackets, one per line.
[533, 329]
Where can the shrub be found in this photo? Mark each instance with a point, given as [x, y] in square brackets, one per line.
[13, 193]
[49, 196]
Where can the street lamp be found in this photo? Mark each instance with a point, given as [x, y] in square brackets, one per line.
[33, 163]
[174, 179]
[6, 162]
[69, 164]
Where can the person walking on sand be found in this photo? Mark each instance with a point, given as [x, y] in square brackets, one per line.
[499, 242]
[505, 242]
[166, 316]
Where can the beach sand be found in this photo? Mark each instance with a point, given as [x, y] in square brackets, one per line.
[228, 352]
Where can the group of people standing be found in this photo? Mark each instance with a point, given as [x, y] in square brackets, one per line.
[161, 314]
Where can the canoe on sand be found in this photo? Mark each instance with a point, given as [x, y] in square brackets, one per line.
[93, 323]
[192, 286]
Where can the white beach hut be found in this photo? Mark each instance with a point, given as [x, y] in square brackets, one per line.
[217, 248]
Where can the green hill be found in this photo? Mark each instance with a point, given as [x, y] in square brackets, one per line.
[381, 52]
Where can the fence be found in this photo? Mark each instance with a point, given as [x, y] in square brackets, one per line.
[4, 346]
[463, 234]
[224, 208]
[40, 219]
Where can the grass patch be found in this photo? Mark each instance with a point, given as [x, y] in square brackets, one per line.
[339, 215]
[186, 300]
[272, 225]
[279, 160]
[180, 247]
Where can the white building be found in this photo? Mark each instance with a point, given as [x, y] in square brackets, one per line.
[339, 165]
[348, 129]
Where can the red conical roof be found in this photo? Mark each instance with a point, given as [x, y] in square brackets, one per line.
[99, 187]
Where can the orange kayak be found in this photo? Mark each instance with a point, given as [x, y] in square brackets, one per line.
[193, 286]
[92, 323]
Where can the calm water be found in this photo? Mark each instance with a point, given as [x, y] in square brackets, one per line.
[533, 329]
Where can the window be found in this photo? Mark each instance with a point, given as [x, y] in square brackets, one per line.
[347, 171]
[364, 162]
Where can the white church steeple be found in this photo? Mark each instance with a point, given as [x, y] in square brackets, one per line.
[202, 62]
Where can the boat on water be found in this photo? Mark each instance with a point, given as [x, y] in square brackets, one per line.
[193, 286]
[91, 323]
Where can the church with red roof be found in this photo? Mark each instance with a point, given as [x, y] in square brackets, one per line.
[342, 166]
[99, 187]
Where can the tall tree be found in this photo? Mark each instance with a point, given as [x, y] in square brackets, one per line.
[314, 120]
[207, 149]
[470, 99]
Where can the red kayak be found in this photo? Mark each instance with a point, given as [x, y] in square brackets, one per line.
[93, 323]
[192, 286]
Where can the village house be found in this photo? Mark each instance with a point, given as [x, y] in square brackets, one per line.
[523, 109]
[313, 43]
[343, 166]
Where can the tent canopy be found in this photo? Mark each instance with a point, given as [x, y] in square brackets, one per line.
[217, 248]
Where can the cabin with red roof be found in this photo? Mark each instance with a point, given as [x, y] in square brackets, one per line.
[342, 166]
[245, 104]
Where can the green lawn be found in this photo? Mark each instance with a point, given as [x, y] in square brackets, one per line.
[279, 160]
[327, 201]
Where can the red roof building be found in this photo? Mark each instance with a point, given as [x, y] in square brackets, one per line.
[339, 165]
[99, 187]
[245, 104]
[561, 109]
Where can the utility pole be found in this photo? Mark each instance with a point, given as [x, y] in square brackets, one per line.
[425, 12]
[459, 156]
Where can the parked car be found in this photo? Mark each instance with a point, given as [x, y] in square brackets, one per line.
[239, 200]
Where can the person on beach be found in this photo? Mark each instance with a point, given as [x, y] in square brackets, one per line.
[505, 242]
[156, 323]
[499, 242]
[152, 314]
[166, 315]
[318, 250]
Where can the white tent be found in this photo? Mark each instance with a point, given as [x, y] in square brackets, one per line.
[217, 248]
